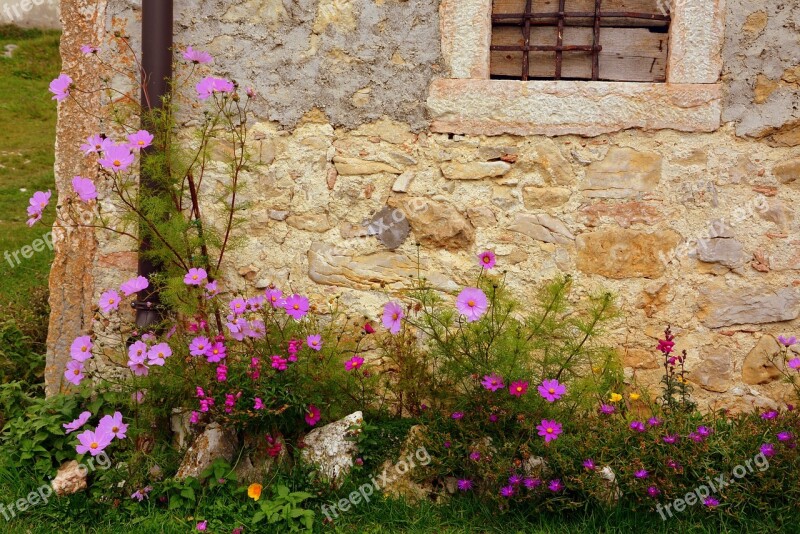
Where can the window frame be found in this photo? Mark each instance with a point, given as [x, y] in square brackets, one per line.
[467, 101]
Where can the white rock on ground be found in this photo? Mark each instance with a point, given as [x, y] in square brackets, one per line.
[331, 449]
[215, 442]
[71, 478]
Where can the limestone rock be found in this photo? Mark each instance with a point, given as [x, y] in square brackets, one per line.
[787, 171]
[329, 448]
[255, 462]
[71, 478]
[725, 251]
[624, 172]
[181, 428]
[403, 182]
[624, 214]
[475, 170]
[713, 373]
[435, 223]
[310, 222]
[481, 216]
[545, 197]
[215, 442]
[357, 167]
[612, 493]
[757, 367]
[334, 266]
[621, 253]
[640, 359]
[748, 305]
[542, 227]
[402, 485]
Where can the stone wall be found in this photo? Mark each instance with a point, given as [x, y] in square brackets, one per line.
[696, 230]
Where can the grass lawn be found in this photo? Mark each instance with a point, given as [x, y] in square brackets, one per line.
[27, 137]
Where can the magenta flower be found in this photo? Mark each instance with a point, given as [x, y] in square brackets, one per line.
[784, 436]
[279, 363]
[296, 307]
[84, 188]
[216, 352]
[222, 375]
[354, 363]
[694, 436]
[472, 303]
[210, 85]
[589, 464]
[787, 341]
[493, 382]
[464, 484]
[81, 348]
[274, 297]
[238, 306]
[653, 491]
[518, 388]
[77, 423]
[140, 140]
[665, 346]
[313, 415]
[202, 526]
[767, 449]
[138, 351]
[654, 421]
[794, 363]
[607, 409]
[158, 354]
[195, 277]
[457, 416]
[60, 87]
[552, 390]
[549, 430]
[474, 456]
[637, 426]
[194, 418]
[74, 372]
[555, 486]
[93, 442]
[532, 483]
[393, 316]
[711, 502]
[112, 424]
[314, 342]
[769, 415]
[641, 474]
[670, 439]
[96, 144]
[487, 259]
[116, 158]
[199, 346]
[134, 285]
[515, 480]
[211, 289]
[704, 431]
[196, 56]
[507, 491]
[258, 404]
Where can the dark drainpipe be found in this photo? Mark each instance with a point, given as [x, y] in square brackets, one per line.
[157, 31]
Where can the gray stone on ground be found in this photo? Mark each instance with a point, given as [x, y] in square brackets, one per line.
[330, 449]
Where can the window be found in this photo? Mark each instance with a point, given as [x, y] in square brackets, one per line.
[616, 40]
[633, 66]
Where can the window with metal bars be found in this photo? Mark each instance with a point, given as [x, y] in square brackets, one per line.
[610, 40]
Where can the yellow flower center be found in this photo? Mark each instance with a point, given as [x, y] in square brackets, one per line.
[519, 388]
[114, 429]
[551, 391]
[76, 372]
[194, 277]
[141, 143]
[549, 430]
[111, 301]
[84, 348]
[394, 316]
[94, 445]
[117, 163]
[296, 306]
[471, 303]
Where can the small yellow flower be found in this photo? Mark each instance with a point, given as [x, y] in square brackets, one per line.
[615, 397]
[597, 370]
[254, 491]
[634, 396]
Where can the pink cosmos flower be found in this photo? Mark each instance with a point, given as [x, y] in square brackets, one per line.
[74, 372]
[195, 277]
[197, 57]
[84, 188]
[211, 289]
[60, 87]
[158, 354]
[134, 285]
[493, 382]
[313, 415]
[274, 297]
[518, 388]
[296, 307]
[77, 423]
[93, 442]
[787, 341]
[81, 348]
[216, 352]
[258, 404]
[210, 85]
[393, 317]
[354, 363]
[199, 346]
[314, 342]
[138, 396]
[549, 430]
[138, 366]
[255, 303]
[88, 50]
[112, 424]
[238, 306]
[96, 144]
[472, 303]
[794, 363]
[37, 203]
[551, 390]
[487, 259]
[116, 158]
[140, 140]
[138, 351]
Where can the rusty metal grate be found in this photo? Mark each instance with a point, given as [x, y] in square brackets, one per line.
[620, 22]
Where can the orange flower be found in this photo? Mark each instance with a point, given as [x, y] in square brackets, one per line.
[254, 491]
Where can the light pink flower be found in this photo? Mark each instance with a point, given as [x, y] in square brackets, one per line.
[88, 50]
[393, 317]
[140, 140]
[96, 145]
[216, 352]
[487, 259]
[158, 354]
[210, 85]
[93, 442]
[138, 351]
[84, 188]
[493, 382]
[314, 342]
[199, 346]
[197, 57]
[60, 87]
[77, 423]
[472, 303]
[238, 306]
[296, 307]
[551, 390]
[211, 289]
[134, 285]
[116, 158]
[74, 372]
[549, 430]
[195, 277]
[274, 297]
[794, 363]
[112, 425]
[109, 301]
[37, 203]
[81, 348]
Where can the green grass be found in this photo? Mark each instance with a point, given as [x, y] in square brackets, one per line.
[27, 137]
